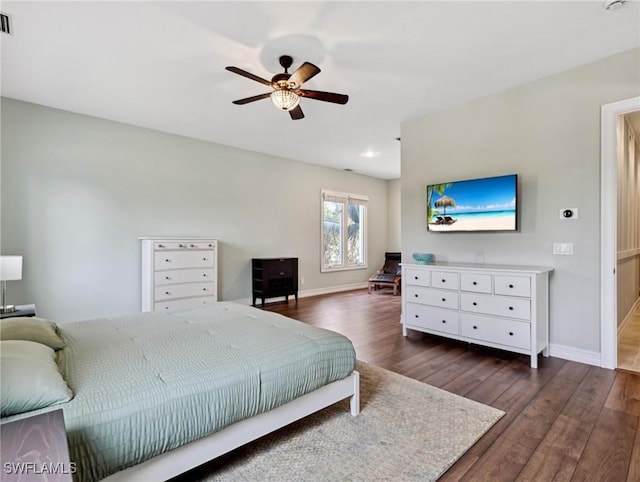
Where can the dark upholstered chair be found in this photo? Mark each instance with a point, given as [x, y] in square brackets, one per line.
[389, 275]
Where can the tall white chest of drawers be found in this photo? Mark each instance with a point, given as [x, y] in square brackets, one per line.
[179, 273]
[505, 307]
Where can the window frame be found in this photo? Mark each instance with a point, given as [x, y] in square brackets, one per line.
[345, 197]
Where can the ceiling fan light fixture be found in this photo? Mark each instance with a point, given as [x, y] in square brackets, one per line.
[285, 99]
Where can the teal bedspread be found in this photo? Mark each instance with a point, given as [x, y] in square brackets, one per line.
[148, 383]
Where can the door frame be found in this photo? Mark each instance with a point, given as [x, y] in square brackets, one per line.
[608, 228]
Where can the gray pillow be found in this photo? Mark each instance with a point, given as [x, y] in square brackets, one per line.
[31, 329]
[30, 377]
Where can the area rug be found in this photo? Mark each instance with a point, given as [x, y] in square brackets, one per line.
[407, 430]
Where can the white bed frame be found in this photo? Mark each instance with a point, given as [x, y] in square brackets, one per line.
[198, 452]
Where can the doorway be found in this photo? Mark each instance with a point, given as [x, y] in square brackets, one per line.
[608, 228]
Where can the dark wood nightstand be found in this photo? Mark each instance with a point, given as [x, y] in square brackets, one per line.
[21, 310]
[35, 449]
[273, 277]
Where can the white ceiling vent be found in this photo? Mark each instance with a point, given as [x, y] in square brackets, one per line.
[4, 23]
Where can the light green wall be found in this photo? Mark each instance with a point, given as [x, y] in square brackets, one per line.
[77, 192]
[548, 132]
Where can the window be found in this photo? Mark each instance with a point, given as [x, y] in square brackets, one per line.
[343, 231]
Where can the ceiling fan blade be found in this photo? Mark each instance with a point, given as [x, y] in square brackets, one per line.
[246, 100]
[248, 75]
[324, 96]
[296, 113]
[304, 73]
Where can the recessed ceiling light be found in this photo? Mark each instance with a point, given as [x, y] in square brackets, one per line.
[369, 154]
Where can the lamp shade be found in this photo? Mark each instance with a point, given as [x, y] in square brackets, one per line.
[285, 99]
[10, 268]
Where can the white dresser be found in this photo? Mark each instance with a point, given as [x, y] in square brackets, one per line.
[504, 307]
[179, 272]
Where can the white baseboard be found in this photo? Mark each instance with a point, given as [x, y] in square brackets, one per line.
[314, 292]
[575, 354]
[627, 318]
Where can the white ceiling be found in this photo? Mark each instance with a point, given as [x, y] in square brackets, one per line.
[161, 64]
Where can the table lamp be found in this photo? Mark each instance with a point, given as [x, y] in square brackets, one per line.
[10, 270]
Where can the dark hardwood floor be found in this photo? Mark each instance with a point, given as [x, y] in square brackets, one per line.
[564, 421]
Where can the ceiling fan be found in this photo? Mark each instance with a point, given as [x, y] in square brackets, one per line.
[286, 88]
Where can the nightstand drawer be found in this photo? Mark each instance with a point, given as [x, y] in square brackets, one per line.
[280, 267]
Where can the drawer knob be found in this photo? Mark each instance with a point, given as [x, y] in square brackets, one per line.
[193, 245]
[416, 295]
[167, 293]
[281, 273]
[444, 299]
[167, 260]
[511, 333]
[181, 245]
[211, 245]
[444, 280]
[415, 277]
[204, 259]
[417, 316]
[161, 246]
[475, 283]
[444, 321]
[204, 275]
[204, 289]
[167, 277]
[475, 304]
[511, 308]
[510, 286]
[475, 327]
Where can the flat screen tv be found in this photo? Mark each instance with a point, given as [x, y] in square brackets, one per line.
[487, 204]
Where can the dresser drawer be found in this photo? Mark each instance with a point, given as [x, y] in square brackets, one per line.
[445, 280]
[417, 277]
[510, 333]
[431, 318]
[184, 303]
[496, 305]
[475, 282]
[183, 276]
[184, 290]
[183, 259]
[429, 296]
[512, 285]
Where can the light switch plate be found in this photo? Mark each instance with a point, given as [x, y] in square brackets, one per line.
[563, 248]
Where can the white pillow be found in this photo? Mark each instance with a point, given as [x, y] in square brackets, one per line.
[30, 377]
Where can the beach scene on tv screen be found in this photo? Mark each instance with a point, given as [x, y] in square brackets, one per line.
[487, 204]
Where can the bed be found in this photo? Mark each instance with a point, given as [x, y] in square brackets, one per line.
[156, 393]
